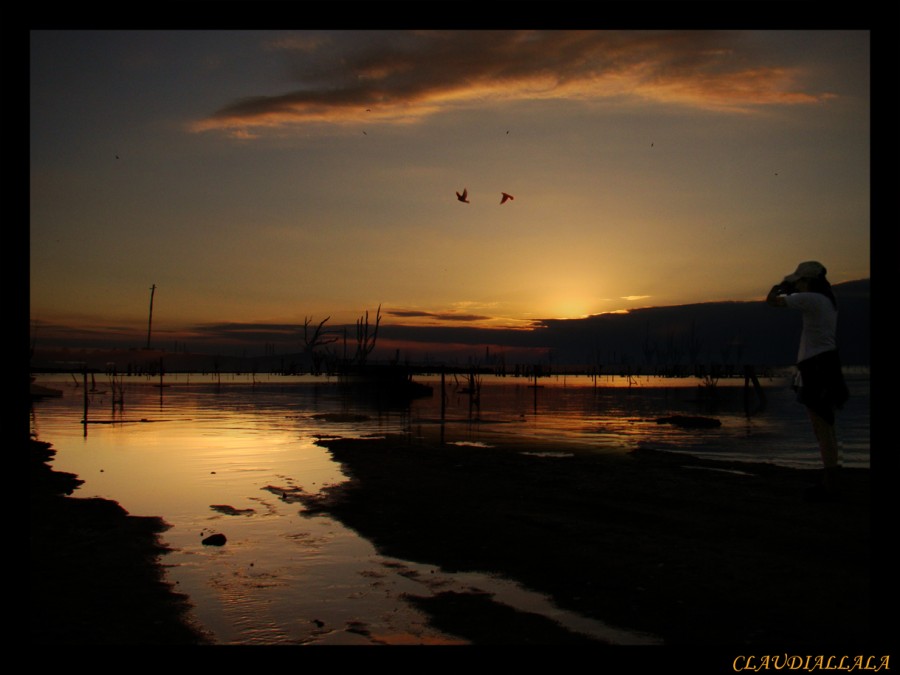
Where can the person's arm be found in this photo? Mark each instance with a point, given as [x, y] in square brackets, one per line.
[776, 296]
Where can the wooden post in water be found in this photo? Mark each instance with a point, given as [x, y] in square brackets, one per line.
[443, 394]
[750, 377]
[443, 402]
[85, 420]
[150, 321]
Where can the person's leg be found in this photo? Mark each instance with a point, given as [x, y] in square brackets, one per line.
[826, 435]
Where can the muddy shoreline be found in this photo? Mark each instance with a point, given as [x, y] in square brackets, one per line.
[696, 553]
[97, 575]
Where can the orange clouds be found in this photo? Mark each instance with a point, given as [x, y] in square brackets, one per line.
[400, 77]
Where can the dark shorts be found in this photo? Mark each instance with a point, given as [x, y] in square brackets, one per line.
[822, 386]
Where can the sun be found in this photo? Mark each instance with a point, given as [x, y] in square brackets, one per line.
[575, 305]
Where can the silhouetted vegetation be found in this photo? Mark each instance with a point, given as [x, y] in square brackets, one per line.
[705, 340]
[366, 338]
[316, 342]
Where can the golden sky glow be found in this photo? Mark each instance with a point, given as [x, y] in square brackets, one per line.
[268, 176]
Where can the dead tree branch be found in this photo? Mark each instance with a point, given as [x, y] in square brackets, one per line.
[365, 340]
[316, 341]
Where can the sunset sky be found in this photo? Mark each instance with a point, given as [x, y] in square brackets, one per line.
[263, 177]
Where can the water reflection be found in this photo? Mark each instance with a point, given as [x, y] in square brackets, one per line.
[230, 455]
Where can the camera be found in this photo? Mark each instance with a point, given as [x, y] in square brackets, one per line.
[786, 288]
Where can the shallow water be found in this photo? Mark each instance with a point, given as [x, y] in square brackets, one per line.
[227, 454]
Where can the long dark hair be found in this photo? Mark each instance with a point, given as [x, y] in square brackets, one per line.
[820, 284]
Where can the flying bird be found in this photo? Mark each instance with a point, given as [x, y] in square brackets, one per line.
[464, 197]
[505, 197]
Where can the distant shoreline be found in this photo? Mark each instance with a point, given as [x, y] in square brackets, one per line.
[724, 333]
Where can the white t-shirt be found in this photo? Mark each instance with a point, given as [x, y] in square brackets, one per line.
[819, 323]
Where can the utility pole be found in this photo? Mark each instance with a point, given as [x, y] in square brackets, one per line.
[150, 322]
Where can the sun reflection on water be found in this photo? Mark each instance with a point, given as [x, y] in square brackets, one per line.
[235, 459]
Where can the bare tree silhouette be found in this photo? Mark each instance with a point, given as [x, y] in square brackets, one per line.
[316, 341]
[366, 338]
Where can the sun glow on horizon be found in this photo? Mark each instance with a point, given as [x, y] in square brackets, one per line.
[639, 178]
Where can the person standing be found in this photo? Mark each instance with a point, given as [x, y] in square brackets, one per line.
[820, 385]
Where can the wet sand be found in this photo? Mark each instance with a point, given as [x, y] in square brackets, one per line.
[97, 575]
[692, 552]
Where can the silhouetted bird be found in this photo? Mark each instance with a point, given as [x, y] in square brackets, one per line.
[464, 196]
[505, 197]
